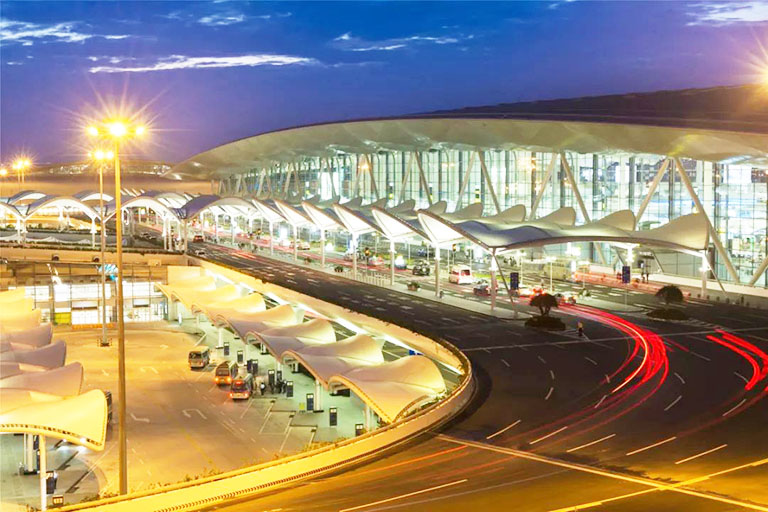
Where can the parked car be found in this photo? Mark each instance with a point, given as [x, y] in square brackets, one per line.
[197, 239]
[421, 268]
[483, 288]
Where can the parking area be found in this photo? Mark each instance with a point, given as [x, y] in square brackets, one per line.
[180, 424]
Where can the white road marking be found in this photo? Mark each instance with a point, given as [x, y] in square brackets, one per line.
[551, 389]
[680, 378]
[701, 454]
[505, 363]
[591, 360]
[729, 411]
[654, 445]
[250, 402]
[188, 415]
[591, 443]
[607, 379]
[407, 495]
[105, 373]
[544, 361]
[145, 420]
[145, 368]
[503, 430]
[600, 401]
[673, 403]
[741, 377]
[549, 435]
[552, 374]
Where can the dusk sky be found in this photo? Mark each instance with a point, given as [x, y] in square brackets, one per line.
[211, 72]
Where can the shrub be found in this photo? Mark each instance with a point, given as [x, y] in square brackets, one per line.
[545, 322]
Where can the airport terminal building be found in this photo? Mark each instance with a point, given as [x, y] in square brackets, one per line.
[661, 155]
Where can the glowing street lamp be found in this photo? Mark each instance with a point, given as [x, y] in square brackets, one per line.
[115, 131]
[20, 166]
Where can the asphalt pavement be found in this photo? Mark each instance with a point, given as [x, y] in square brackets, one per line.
[638, 415]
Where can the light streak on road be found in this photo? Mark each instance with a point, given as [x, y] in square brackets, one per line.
[402, 496]
[549, 435]
[729, 411]
[674, 402]
[707, 452]
[751, 360]
[503, 430]
[654, 445]
[591, 443]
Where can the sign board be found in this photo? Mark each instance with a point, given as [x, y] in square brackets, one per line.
[240, 357]
[514, 280]
[333, 416]
[359, 429]
[289, 389]
[271, 377]
[226, 348]
[625, 274]
[310, 401]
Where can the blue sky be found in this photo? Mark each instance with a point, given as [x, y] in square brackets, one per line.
[209, 72]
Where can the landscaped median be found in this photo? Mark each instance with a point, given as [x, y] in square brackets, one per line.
[249, 481]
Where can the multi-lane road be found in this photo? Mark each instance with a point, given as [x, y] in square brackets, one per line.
[641, 415]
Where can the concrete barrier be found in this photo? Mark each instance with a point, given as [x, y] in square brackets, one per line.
[251, 481]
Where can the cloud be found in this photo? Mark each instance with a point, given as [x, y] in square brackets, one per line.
[222, 20]
[728, 13]
[351, 43]
[175, 62]
[26, 33]
[13, 63]
[112, 59]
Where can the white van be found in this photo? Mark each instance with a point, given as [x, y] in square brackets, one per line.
[460, 274]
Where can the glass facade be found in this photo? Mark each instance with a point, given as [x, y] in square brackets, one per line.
[734, 196]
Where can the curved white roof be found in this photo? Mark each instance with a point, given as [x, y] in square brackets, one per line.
[63, 381]
[12, 295]
[277, 340]
[248, 304]
[79, 419]
[12, 309]
[61, 202]
[197, 301]
[21, 322]
[326, 360]
[35, 337]
[392, 389]
[687, 233]
[254, 323]
[48, 356]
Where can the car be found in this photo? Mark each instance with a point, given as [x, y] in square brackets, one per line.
[200, 253]
[303, 245]
[460, 274]
[420, 268]
[483, 288]
[375, 261]
[198, 239]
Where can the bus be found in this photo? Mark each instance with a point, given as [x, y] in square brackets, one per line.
[199, 357]
[242, 387]
[225, 373]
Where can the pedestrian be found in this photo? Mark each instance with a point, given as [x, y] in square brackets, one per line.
[262, 387]
[581, 329]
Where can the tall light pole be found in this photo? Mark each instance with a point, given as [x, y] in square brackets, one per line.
[101, 157]
[20, 166]
[116, 130]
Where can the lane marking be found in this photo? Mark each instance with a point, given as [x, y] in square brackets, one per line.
[591, 443]
[505, 363]
[552, 374]
[145, 420]
[680, 378]
[653, 484]
[407, 495]
[549, 435]
[701, 454]
[673, 403]
[654, 445]
[544, 361]
[591, 360]
[503, 430]
[600, 401]
[741, 377]
[729, 411]
[549, 394]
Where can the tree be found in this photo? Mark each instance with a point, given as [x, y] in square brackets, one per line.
[670, 294]
[544, 302]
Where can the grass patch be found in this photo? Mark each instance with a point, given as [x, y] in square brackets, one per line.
[545, 322]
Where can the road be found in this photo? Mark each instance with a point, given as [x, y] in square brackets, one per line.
[625, 419]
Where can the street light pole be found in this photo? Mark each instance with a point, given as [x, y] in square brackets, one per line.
[103, 261]
[123, 455]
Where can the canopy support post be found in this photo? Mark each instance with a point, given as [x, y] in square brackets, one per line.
[437, 270]
[392, 262]
[544, 183]
[651, 190]
[43, 475]
[494, 268]
[271, 241]
[354, 256]
[295, 244]
[713, 234]
[582, 207]
[322, 248]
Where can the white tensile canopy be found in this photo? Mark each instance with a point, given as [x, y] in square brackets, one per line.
[254, 323]
[252, 303]
[48, 356]
[64, 381]
[393, 389]
[279, 339]
[35, 337]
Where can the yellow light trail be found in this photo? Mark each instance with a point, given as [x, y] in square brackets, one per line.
[656, 486]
